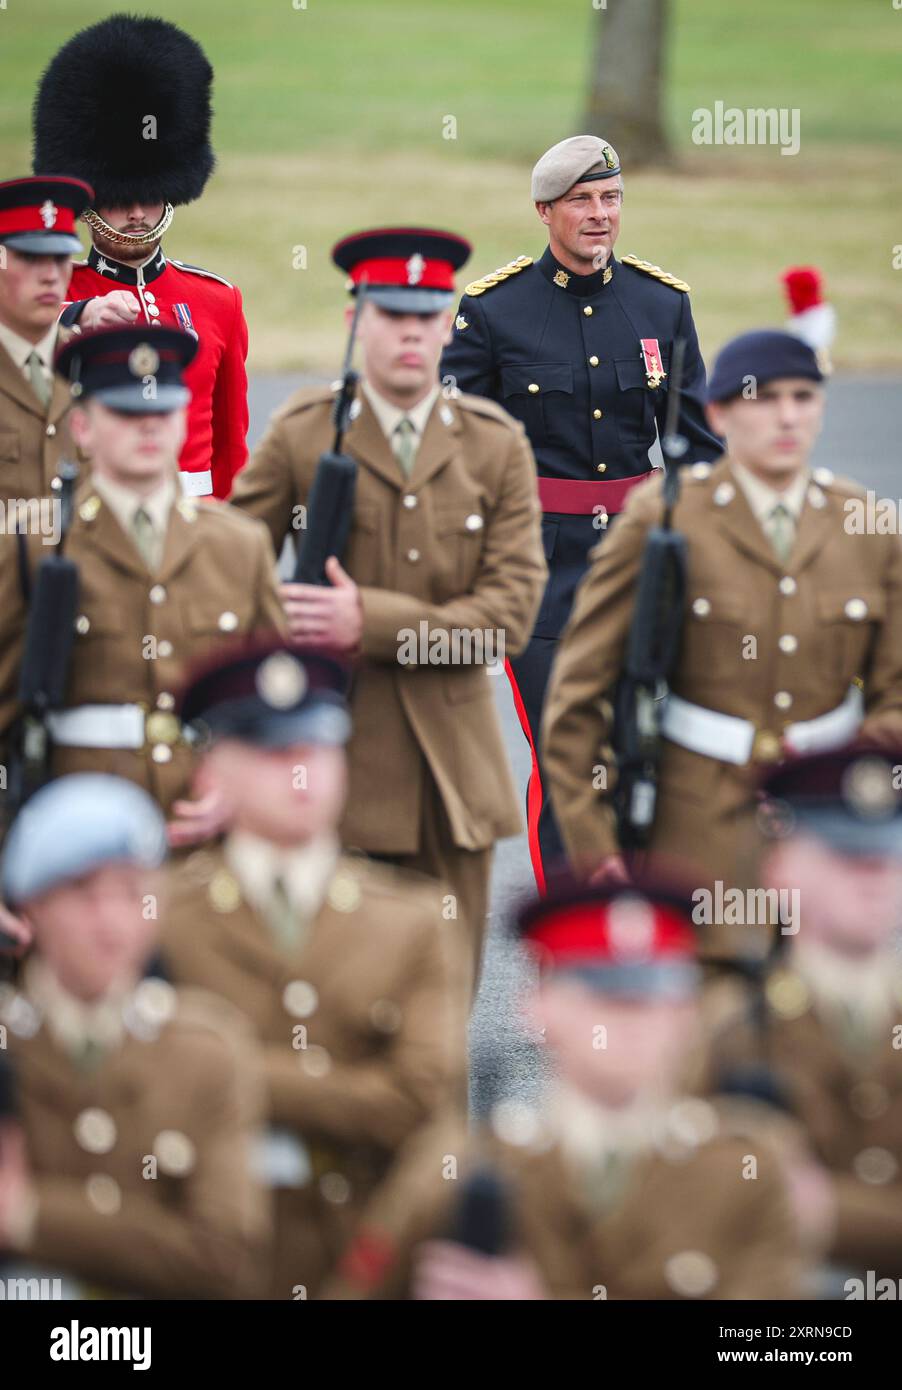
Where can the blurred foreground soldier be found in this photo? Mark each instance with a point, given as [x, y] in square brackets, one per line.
[792, 633]
[129, 1168]
[442, 575]
[37, 243]
[160, 576]
[578, 346]
[126, 105]
[832, 1004]
[627, 1187]
[344, 967]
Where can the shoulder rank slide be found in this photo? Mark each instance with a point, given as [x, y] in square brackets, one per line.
[199, 270]
[497, 277]
[655, 272]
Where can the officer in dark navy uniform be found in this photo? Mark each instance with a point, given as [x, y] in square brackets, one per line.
[577, 345]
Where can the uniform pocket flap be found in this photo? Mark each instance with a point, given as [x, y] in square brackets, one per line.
[864, 606]
[9, 446]
[630, 372]
[454, 521]
[547, 376]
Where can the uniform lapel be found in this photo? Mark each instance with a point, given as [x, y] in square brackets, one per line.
[13, 383]
[736, 519]
[814, 528]
[96, 522]
[181, 534]
[366, 443]
[437, 445]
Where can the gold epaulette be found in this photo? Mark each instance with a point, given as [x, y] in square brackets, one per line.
[656, 272]
[496, 277]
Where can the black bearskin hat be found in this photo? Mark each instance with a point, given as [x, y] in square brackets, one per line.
[94, 100]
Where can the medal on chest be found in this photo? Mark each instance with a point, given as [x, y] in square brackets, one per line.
[183, 315]
[651, 355]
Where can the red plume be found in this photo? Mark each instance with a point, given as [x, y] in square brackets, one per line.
[803, 287]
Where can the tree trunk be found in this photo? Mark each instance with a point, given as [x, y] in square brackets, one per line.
[625, 85]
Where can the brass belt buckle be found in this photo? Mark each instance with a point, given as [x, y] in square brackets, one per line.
[767, 747]
[160, 726]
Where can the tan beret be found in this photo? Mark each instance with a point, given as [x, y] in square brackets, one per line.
[572, 161]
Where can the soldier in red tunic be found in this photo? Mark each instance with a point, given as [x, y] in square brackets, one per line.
[129, 100]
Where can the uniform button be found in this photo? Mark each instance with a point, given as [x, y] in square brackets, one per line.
[875, 1166]
[161, 753]
[473, 522]
[300, 998]
[95, 1131]
[413, 556]
[856, 609]
[165, 700]
[588, 311]
[601, 468]
[153, 311]
[227, 621]
[787, 585]
[701, 607]
[82, 624]
[788, 643]
[155, 323]
[104, 1193]
[151, 298]
[596, 414]
[783, 699]
[409, 501]
[593, 361]
[157, 594]
[164, 648]
[50, 431]
[532, 388]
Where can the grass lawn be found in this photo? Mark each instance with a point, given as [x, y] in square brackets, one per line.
[330, 117]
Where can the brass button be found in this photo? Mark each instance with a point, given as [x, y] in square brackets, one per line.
[162, 727]
[165, 700]
[151, 298]
[588, 311]
[82, 624]
[767, 747]
[157, 594]
[783, 699]
[474, 522]
[787, 585]
[856, 609]
[601, 468]
[701, 607]
[95, 1131]
[596, 414]
[164, 648]
[788, 643]
[413, 556]
[153, 311]
[593, 361]
[300, 998]
[875, 1166]
[227, 621]
[532, 388]
[51, 431]
[409, 500]
[161, 753]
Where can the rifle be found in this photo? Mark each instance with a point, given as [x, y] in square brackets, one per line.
[481, 1220]
[653, 643]
[49, 636]
[331, 503]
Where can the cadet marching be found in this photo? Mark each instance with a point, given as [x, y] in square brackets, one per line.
[250, 820]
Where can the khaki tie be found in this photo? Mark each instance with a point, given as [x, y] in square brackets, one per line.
[282, 916]
[404, 444]
[39, 383]
[145, 536]
[781, 531]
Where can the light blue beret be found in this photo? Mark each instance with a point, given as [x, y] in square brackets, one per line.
[76, 824]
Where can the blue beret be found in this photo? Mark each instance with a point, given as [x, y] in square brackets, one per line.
[765, 355]
[77, 824]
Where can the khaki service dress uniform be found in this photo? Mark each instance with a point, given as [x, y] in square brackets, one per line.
[33, 408]
[356, 989]
[453, 547]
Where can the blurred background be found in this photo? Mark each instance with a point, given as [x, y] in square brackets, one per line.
[335, 114]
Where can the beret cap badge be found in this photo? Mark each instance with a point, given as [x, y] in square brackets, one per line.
[281, 681]
[143, 360]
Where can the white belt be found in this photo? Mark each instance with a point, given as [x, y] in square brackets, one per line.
[733, 740]
[112, 726]
[196, 484]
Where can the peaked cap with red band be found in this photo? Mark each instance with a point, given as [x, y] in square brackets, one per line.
[407, 269]
[631, 939]
[38, 215]
[129, 369]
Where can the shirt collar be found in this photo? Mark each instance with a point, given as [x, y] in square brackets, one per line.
[122, 274]
[582, 286]
[123, 502]
[762, 499]
[305, 870]
[389, 415]
[20, 349]
[72, 1022]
